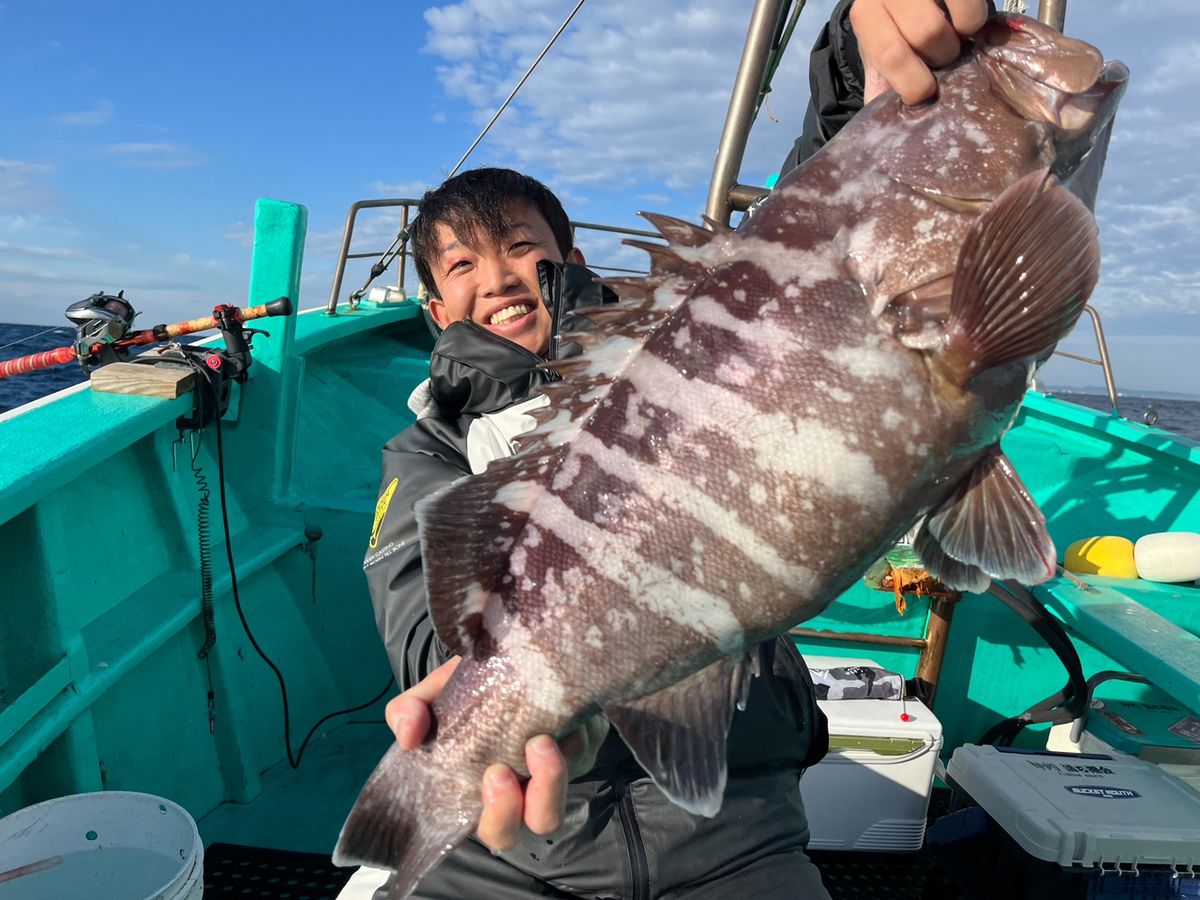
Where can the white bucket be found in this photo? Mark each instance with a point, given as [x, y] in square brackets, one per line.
[107, 844]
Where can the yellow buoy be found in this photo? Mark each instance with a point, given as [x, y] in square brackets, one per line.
[1108, 555]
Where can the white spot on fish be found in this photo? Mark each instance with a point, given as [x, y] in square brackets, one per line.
[566, 474]
[594, 638]
[621, 619]
[517, 560]
[810, 449]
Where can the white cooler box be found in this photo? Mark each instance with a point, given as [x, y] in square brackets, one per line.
[871, 792]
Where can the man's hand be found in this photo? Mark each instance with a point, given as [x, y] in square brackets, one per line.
[900, 40]
[507, 802]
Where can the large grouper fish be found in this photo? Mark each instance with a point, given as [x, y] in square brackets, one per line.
[755, 424]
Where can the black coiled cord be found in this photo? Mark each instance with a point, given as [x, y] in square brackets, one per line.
[293, 758]
[205, 554]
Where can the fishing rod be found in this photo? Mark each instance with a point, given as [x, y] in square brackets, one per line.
[102, 332]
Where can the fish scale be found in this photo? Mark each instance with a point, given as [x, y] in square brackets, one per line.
[751, 427]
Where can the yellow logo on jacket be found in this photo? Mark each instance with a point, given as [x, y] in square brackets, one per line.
[381, 507]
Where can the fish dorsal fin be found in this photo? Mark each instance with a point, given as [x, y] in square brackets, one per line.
[665, 260]
[1025, 271]
[475, 519]
[989, 527]
[620, 330]
[678, 734]
[677, 231]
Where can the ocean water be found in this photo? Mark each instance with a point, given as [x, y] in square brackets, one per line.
[22, 340]
[1179, 415]
[1169, 413]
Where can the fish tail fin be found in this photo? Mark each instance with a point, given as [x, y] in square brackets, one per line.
[1025, 271]
[410, 814]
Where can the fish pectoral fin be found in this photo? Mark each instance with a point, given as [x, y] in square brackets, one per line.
[678, 734]
[1024, 273]
[989, 527]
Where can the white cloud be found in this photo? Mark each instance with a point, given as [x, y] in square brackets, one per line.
[99, 114]
[410, 188]
[155, 155]
[10, 249]
[23, 186]
[631, 93]
[240, 233]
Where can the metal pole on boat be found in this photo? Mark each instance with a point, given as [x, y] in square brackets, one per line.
[742, 103]
[1053, 13]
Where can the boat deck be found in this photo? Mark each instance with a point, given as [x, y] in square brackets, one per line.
[303, 809]
[300, 811]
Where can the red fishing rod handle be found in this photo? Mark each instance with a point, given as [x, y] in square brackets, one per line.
[44, 360]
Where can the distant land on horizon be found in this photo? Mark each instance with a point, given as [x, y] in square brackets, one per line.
[1100, 391]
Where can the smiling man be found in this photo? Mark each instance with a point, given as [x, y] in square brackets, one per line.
[477, 244]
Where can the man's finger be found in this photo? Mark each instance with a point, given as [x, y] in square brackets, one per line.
[924, 27]
[546, 793]
[884, 48]
[500, 821]
[408, 714]
[967, 16]
[581, 746]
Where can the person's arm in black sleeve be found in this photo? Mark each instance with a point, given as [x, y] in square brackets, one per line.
[393, 561]
[836, 84]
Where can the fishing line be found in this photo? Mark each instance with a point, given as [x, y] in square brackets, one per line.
[397, 245]
[508, 99]
[30, 337]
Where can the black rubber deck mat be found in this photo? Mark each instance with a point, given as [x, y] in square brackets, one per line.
[235, 870]
[883, 876]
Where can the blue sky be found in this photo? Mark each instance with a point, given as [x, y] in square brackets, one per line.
[136, 137]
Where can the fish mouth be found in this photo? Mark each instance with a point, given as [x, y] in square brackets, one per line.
[1050, 78]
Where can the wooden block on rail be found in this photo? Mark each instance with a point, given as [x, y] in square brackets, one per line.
[162, 380]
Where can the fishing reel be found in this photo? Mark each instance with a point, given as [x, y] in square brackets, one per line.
[101, 320]
[216, 369]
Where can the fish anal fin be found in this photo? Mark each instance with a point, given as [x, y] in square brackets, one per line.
[678, 734]
[989, 527]
[1024, 273]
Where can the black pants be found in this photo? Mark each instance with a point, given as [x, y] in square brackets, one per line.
[624, 840]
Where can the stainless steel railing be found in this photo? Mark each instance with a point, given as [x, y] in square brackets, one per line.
[1103, 362]
[398, 249]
